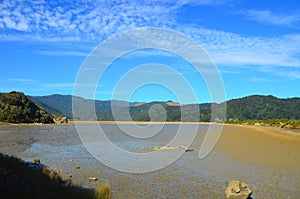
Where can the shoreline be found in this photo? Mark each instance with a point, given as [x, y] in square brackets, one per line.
[286, 131]
[270, 129]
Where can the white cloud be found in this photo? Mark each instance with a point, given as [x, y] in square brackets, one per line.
[89, 20]
[62, 53]
[234, 50]
[85, 21]
[177, 4]
[59, 85]
[68, 85]
[259, 79]
[22, 80]
[267, 17]
[285, 73]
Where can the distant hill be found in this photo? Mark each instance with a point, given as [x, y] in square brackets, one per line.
[255, 107]
[15, 107]
[62, 105]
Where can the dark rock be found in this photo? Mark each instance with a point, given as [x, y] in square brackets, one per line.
[36, 161]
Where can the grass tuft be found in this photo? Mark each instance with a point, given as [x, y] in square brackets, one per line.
[103, 191]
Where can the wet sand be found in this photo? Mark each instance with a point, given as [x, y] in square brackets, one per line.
[271, 147]
[265, 158]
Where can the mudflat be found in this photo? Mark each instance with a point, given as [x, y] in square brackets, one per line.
[265, 158]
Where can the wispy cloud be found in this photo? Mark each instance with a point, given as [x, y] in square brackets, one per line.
[180, 3]
[81, 21]
[68, 85]
[85, 20]
[285, 73]
[59, 85]
[268, 17]
[230, 49]
[260, 79]
[62, 53]
[21, 80]
[149, 52]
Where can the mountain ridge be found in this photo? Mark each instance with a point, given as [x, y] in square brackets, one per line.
[252, 107]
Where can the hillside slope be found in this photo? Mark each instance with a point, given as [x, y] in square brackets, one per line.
[15, 107]
[257, 107]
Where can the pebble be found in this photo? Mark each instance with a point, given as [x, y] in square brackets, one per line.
[91, 179]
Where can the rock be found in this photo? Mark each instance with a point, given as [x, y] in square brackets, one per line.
[163, 148]
[36, 161]
[183, 147]
[71, 160]
[60, 120]
[69, 178]
[237, 190]
[91, 179]
[145, 148]
[77, 167]
[189, 150]
[156, 148]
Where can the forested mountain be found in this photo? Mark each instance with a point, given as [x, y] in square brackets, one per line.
[15, 107]
[255, 107]
[62, 105]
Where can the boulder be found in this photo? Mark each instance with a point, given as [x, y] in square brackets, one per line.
[60, 120]
[237, 190]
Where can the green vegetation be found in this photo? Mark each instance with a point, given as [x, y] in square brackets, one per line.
[282, 123]
[19, 179]
[103, 191]
[255, 109]
[264, 111]
[141, 113]
[62, 105]
[258, 107]
[15, 107]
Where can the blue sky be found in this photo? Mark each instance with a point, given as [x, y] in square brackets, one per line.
[254, 44]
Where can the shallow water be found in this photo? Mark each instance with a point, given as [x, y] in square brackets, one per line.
[188, 177]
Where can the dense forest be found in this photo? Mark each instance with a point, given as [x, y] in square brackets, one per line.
[15, 107]
[255, 107]
[258, 107]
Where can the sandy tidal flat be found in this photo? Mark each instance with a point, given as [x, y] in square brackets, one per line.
[265, 158]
